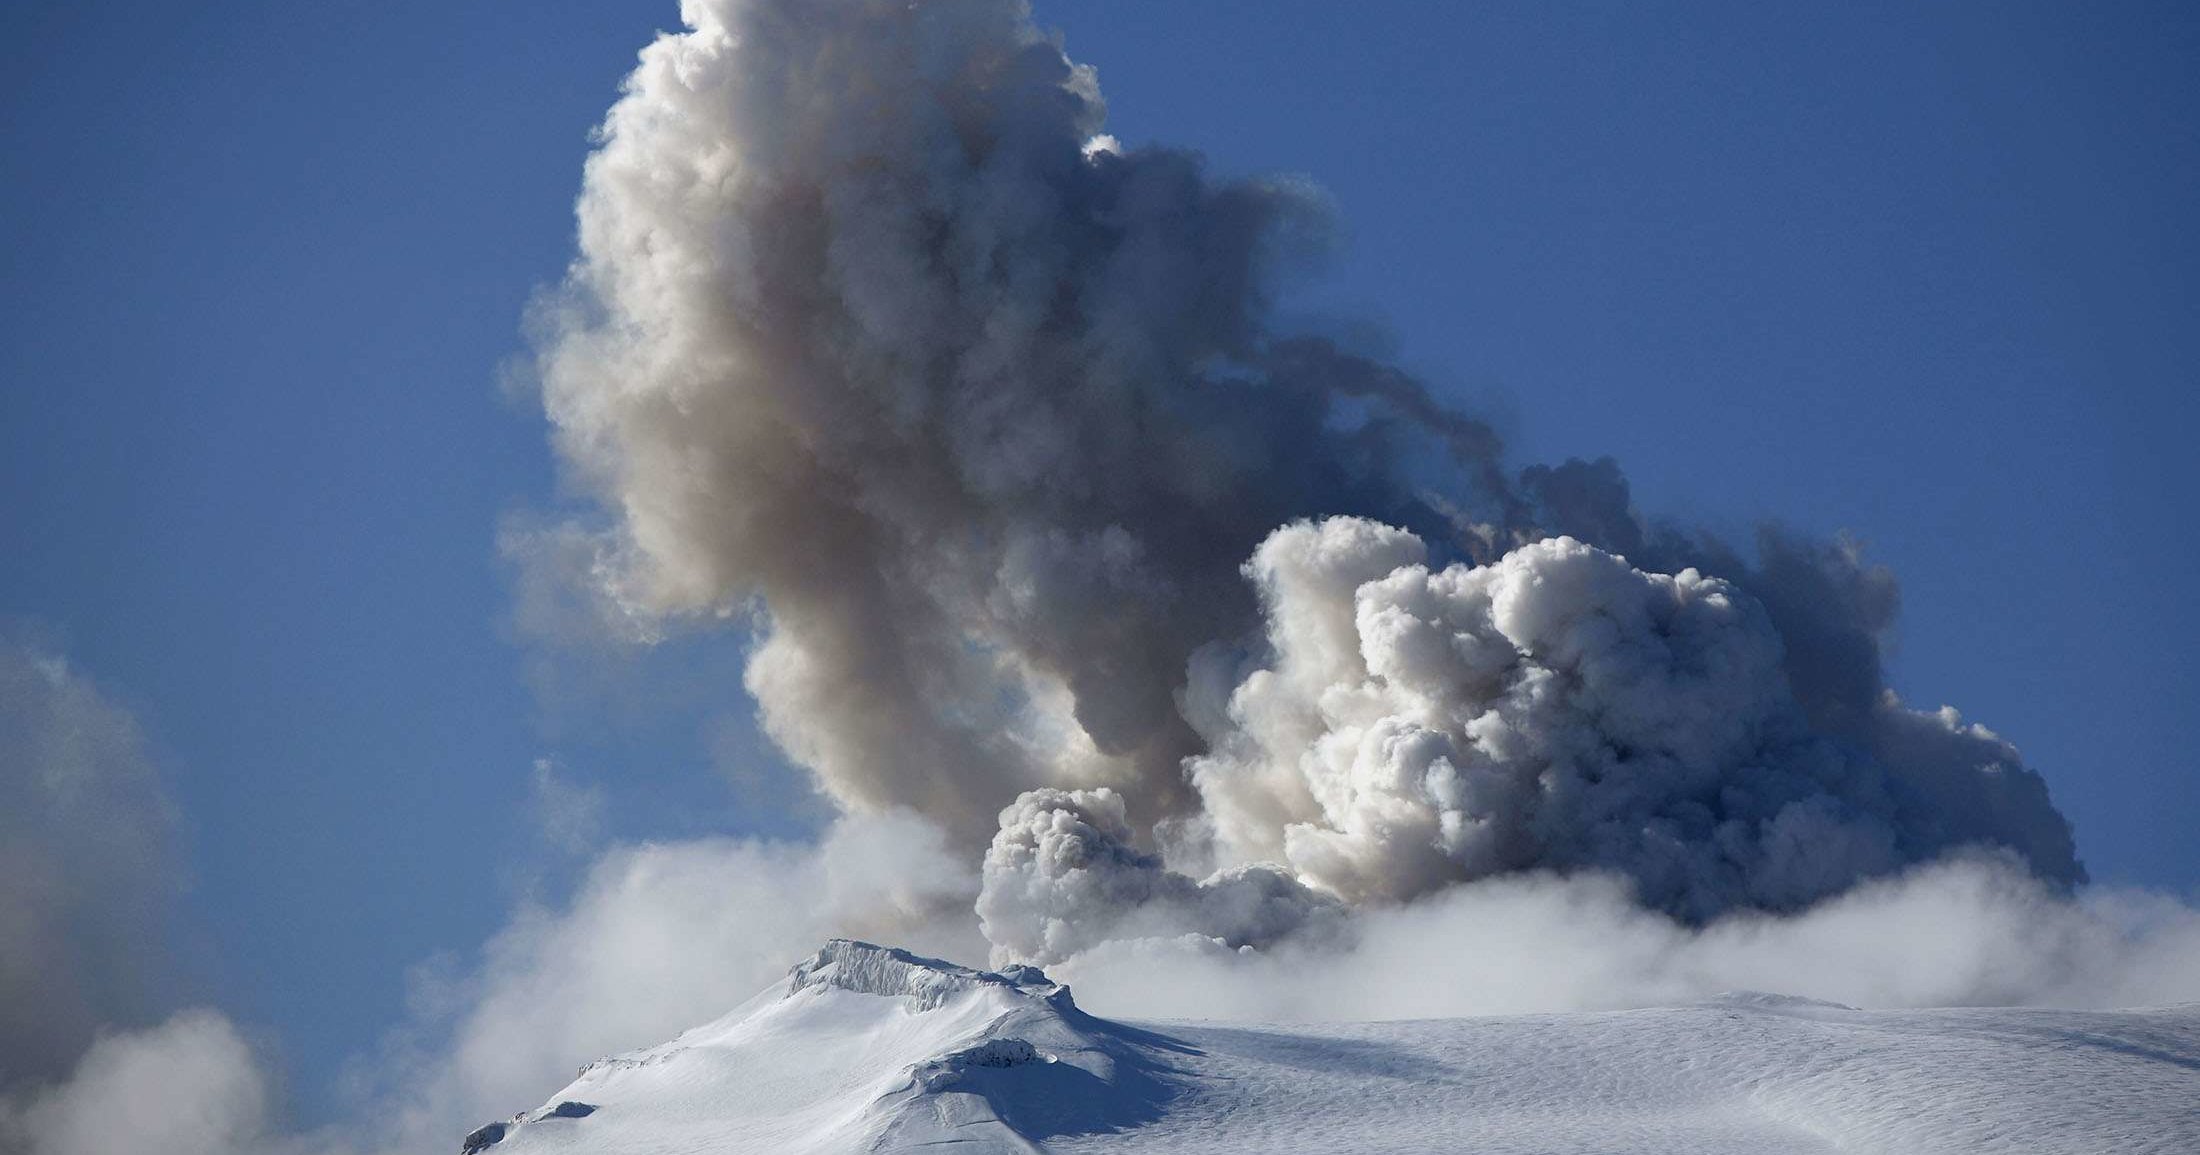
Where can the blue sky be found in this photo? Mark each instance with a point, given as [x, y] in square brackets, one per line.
[1925, 277]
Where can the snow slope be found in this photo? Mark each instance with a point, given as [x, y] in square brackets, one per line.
[864, 1048]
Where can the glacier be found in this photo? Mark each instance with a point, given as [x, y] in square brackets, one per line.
[868, 1048]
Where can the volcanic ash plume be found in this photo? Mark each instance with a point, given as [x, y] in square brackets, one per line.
[1556, 709]
[875, 340]
[1062, 877]
[872, 333]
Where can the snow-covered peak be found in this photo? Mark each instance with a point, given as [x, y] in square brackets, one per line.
[1773, 1001]
[868, 969]
[861, 1047]
[864, 1048]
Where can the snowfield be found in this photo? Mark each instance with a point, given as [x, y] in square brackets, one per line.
[865, 1048]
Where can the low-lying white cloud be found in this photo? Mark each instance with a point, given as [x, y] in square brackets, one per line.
[1966, 931]
[663, 937]
[190, 1086]
[657, 937]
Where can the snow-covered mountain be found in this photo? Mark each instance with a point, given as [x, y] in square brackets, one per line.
[867, 1048]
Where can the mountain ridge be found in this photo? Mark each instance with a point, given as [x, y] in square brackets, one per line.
[864, 1047]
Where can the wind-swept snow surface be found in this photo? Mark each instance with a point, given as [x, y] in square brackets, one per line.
[864, 1048]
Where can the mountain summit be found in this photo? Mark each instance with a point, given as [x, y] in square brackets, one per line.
[869, 1048]
[861, 1047]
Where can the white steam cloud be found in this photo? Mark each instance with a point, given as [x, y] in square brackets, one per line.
[190, 1086]
[88, 872]
[657, 938]
[1967, 931]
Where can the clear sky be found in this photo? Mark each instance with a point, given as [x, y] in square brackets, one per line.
[1928, 277]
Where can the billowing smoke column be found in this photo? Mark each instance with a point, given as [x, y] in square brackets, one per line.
[1062, 876]
[1561, 709]
[870, 325]
[875, 337]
